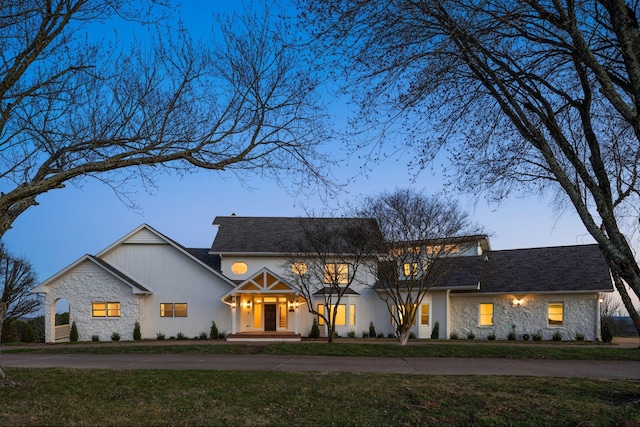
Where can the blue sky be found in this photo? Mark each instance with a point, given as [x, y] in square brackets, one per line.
[85, 219]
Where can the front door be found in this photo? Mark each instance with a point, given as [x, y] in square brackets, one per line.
[269, 317]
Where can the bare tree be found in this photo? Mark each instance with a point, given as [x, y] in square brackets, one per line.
[526, 96]
[423, 236]
[73, 106]
[333, 256]
[17, 279]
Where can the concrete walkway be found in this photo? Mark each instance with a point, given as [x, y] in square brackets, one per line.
[399, 365]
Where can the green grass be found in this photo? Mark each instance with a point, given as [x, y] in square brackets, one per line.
[562, 351]
[150, 397]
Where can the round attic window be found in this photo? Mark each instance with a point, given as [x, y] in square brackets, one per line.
[239, 267]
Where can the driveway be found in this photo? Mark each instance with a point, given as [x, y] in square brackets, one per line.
[394, 365]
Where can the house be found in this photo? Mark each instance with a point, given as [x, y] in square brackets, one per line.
[246, 284]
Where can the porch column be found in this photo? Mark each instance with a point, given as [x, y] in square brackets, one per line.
[233, 315]
[297, 319]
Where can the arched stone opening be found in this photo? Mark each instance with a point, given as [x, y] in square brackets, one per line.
[61, 317]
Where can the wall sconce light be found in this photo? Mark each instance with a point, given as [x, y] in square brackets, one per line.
[297, 305]
[248, 304]
[290, 307]
[518, 302]
[233, 305]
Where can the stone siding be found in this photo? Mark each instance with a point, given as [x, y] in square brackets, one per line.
[580, 316]
[80, 289]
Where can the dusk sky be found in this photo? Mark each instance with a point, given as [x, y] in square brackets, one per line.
[74, 221]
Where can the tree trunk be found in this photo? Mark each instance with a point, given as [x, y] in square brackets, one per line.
[626, 300]
[403, 335]
[3, 311]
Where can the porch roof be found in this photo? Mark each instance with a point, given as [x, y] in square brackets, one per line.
[263, 282]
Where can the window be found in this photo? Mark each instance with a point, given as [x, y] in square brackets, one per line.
[336, 273]
[486, 314]
[556, 314]
[299, 268]
[410, 269]
[352, 315]
[173, 310]
[105, 309]
[341, 316]
[239, 267]
[424, 314]
[443, 249]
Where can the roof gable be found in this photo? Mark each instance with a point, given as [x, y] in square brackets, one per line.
[136, 287]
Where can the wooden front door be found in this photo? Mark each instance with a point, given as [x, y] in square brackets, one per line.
[269, 317]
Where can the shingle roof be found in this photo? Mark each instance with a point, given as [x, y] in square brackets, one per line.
[551, 269]
[255, 235]
[203, 255]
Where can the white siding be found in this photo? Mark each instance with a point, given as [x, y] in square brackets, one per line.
[173, 277]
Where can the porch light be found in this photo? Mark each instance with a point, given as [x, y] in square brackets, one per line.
[518, 302]
[247, 304]
[290, 307]
[233, 305]
[297, 305]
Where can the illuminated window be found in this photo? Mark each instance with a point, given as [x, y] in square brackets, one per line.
[105, 309]
[424, 314]
[401, 315]
[335, 273]
[239, 267]
[352, 315]
[173, 310]
[299, 268]
[486, 314]
[443, 249]
[410, 269]
[99, 309]
[556, 314]
[341, 315]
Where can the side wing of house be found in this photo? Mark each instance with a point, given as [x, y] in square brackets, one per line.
[144, 277]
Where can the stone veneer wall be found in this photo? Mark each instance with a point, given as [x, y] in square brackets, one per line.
[580, 316]
[80, 289]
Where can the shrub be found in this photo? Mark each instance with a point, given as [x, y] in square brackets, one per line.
[203, 335]
[372, 330]
[471, 336]
[315, 330]
[351, 334]
[160, 336]
[454, 336]
[73, 334]
[537, 336]
[365, 334]
[435, 332]
[557, 336]
[380, 335]
[95, 337]
[115, 336]
[136, 332]
[579, 337]
[607, 329]
[511, 336]
[491, 337]
[180, 336]
[390, 335]
[412, 336]
[222, 335]
[213, 332]
[29, 333]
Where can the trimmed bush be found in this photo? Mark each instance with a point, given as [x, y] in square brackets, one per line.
[471, 336]
[557, 336]
[454, 336]
[365, 334]
[351, 334]
[372, 330]
[511, 336]
[160, 336]
[115, 336]
[203, 335]
[180, 336]
[579, 337]
[607, 329]
[222, 335]
[491, 337]
[315, 330]
[95, 338]
[73, 334]
[136, 332]
[537, 336]
[380, 335]
[435, 332]
[213, 332]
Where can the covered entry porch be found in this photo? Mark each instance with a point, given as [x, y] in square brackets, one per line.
[264, 308]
